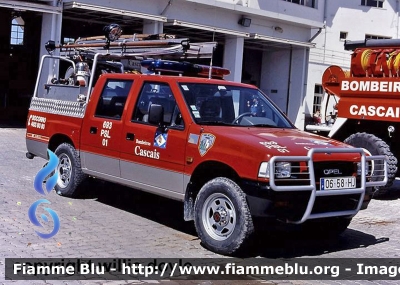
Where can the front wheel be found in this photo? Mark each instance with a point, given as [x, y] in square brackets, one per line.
[69, 170]
[222, 216]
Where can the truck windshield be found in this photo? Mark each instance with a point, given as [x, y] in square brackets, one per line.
[212, 104]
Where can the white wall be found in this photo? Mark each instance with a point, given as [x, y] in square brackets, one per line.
[295, 20]
[282, 71]
[278, 9]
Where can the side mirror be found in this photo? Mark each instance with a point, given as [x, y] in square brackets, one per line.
[156, 114]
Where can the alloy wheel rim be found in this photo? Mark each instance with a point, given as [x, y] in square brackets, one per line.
[64, 171]
[219, 216]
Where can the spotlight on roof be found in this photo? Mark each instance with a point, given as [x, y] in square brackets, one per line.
[112, 32]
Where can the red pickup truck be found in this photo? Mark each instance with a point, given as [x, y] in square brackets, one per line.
[222, 148]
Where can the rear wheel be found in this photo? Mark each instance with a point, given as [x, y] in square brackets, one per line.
[376, 146]
[222, 216]
[70, 174]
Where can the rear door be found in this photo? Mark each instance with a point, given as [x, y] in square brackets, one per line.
[152, 157]
[102, 127]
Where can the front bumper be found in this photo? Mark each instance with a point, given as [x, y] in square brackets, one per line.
[297, 203]
[291, 206]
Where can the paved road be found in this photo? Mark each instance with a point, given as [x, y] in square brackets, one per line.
[113, 221]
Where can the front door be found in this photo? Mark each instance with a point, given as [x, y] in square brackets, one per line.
[152, 157]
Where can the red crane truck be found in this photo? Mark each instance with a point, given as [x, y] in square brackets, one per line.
[367, 109]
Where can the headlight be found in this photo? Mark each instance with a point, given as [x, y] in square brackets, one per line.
[282, 170]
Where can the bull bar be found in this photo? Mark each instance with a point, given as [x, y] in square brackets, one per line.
[380, 177]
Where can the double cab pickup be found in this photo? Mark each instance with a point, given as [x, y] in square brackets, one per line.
[222, 148]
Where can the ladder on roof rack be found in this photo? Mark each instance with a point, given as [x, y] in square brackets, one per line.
[144, 46]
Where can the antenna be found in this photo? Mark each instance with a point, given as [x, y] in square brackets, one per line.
[211, 61]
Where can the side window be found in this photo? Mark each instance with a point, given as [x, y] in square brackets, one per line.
[160, 94]
[113, 98]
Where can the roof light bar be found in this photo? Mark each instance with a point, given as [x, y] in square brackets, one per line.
[207, 28]
[186, 68]
[79, 5]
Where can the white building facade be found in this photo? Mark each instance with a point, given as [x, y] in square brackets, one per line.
[351, 21]
[282, 46]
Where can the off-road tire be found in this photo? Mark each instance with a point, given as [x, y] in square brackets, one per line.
[326, 227]
[218, 199]
[376, 146]
[69, 171]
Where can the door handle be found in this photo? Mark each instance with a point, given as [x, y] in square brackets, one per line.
[130, 136]
[93, 130]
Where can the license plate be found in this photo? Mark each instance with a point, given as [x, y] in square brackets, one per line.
[335, 183]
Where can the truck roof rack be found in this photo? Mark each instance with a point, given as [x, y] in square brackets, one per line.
[352, 45]
[161, 46]
[90, 57]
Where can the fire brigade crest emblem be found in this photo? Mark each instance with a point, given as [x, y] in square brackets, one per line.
[206, 142]
[160, 139]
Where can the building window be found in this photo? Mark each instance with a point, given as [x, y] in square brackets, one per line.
[308, 3]
[372, 3]
[343, 36]
[374, 37]
[17, 31]
[318, 95]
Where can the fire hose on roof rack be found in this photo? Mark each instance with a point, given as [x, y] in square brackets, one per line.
[115, 44]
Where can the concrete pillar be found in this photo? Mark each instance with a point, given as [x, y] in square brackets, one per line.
[152, 27]
[233, 57]
[51, 30]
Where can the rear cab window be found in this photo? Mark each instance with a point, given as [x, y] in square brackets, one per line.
[113, 98]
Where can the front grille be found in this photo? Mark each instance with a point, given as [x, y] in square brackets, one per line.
[344, 169]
